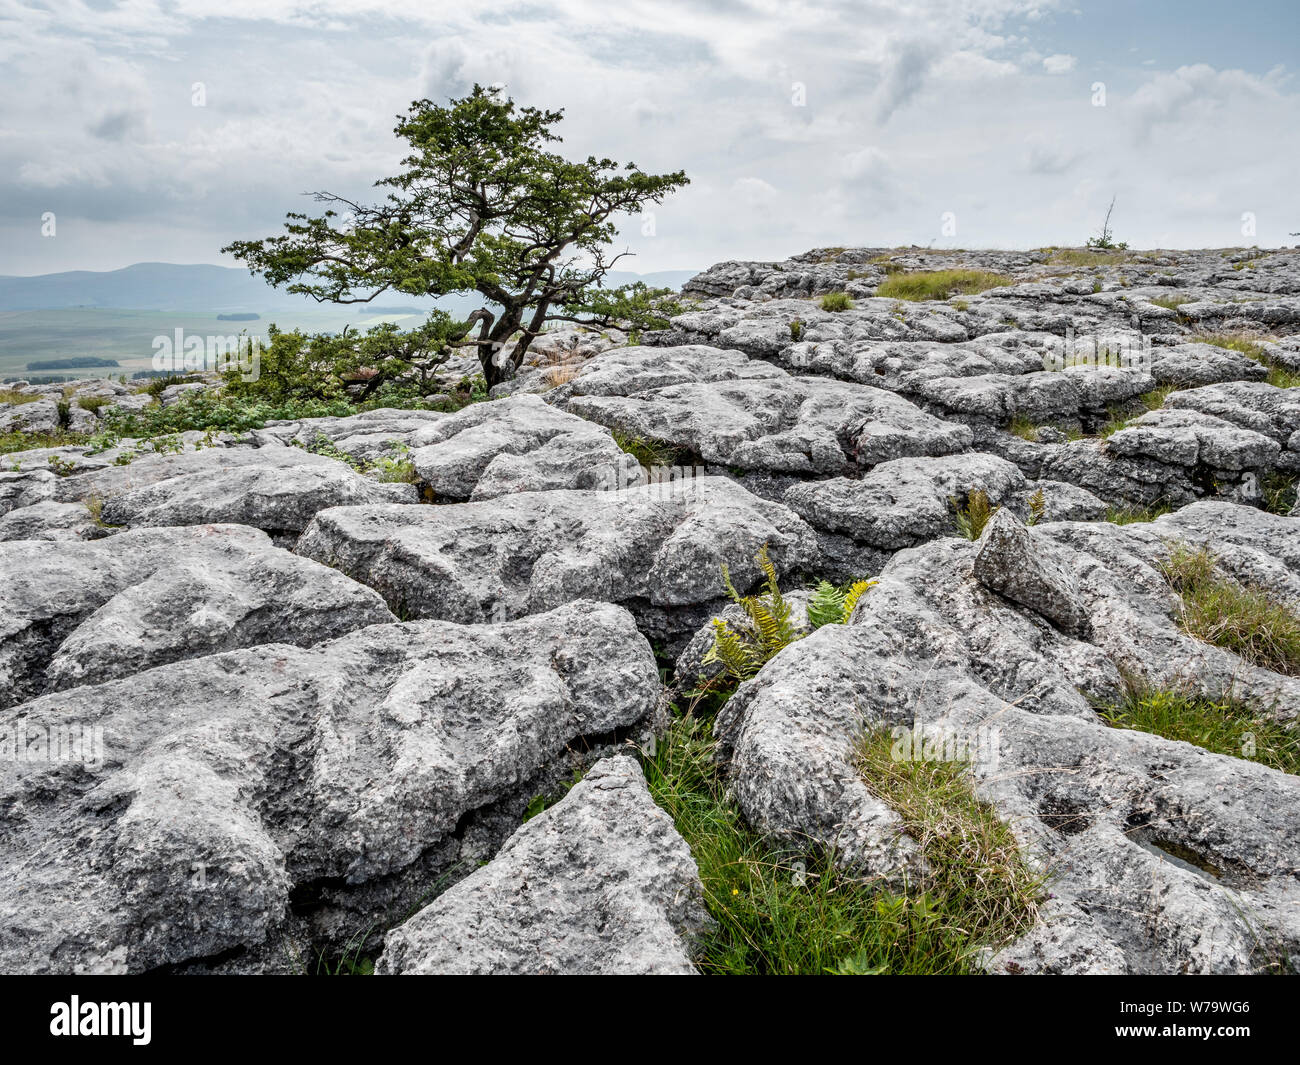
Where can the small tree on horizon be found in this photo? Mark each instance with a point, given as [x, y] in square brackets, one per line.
[481, 205]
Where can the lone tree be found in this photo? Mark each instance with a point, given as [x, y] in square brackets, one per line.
[481, 206]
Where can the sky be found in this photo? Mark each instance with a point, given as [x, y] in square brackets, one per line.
[136, 130]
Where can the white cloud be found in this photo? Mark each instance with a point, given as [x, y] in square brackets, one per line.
[1059, 63]
[913, 109]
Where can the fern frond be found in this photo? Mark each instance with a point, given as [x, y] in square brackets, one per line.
[731, 651]
[851, 598]
[825, 605]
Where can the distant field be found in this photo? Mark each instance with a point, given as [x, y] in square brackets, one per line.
[128, 336]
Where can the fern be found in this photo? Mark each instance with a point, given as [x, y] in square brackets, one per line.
[743, 654]
[972, 518]
[852, 596]
[1037, 507]
[769, 616]
[830, 605]
[825, 605]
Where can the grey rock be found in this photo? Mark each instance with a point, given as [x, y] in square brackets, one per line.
[51, 521]
[905, 501]
[350, 777]
[518, 444]
[657, 549]
[599, 884]
[80, 613]
[1013, 563]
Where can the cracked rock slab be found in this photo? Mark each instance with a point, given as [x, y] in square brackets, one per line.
[517, 444]
[345, 779]
[658, 549]
[599, 884]
[80, 613]
[1161, 857]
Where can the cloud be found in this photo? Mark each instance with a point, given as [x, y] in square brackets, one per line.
[753, 192]
[913, 108]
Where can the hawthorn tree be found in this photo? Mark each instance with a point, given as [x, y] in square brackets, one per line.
[482, 205]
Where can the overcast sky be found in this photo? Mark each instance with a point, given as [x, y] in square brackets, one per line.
[800, 123]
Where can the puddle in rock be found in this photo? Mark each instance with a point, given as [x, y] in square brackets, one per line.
[1179, 855]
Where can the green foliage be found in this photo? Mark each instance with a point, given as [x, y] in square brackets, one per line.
[1037, 507]
[794, 912]
[743, 655]
[836, 301]
[22, 441]
[796, 329]
[1278, 376]
[832, 605]
[649, 453]
[1171, 303]
[483, 206]
[1227, 613]
[1225, 725]
[940, 284]
[398, 467]
[1280, 491]
[296, 367]
[972, 517]
[974, 877]
[1024, 427]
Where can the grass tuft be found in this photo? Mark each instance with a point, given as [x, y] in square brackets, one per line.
[785, 912]
[1224, 725]
[1238, 617]
[940, 284]
[836, 301]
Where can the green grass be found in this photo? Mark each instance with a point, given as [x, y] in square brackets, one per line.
[14, 399]
[12, 442]
[1224, 725]
[1278, 376]
[781, 912]
[1227, 613]
[940, 284]
[1155, 399]
[1023, 427]
[649, 453]
[836, 301]
[1078, 257]
[1279, 491]
[1171, 303]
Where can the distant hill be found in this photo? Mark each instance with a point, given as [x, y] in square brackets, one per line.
[222, 289]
